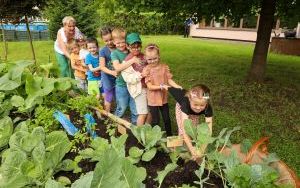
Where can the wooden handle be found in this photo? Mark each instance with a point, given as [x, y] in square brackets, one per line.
[113, 117]
[260, 143]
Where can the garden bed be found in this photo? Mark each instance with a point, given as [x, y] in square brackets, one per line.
[184, 173]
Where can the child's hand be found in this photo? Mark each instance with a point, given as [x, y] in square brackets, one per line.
[114, 73]
[77, 62]
[164, 87]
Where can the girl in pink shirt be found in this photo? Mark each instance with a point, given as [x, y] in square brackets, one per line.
[158, 79]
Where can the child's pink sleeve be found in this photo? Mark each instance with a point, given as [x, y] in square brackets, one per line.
[168, 73]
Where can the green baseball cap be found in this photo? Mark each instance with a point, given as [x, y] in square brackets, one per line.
[132, 38]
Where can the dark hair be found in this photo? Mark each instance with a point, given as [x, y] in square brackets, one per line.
[104, 31]
[92, 40]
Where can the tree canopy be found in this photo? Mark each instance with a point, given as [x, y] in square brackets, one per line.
[84, 12]
[288, 10]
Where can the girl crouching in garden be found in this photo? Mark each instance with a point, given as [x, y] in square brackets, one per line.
[190, 105]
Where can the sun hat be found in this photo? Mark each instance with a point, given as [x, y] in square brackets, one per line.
[133, 38]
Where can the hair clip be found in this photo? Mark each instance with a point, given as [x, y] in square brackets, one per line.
[205, 96]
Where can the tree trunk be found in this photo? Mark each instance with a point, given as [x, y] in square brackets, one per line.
[4, 41]
[30, 40]
[259, 58]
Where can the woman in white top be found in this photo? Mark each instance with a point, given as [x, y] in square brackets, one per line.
[66, 35]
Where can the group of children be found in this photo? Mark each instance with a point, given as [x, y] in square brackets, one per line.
[138, 80]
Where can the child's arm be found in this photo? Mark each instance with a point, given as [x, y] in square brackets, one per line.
[172, 83]
[187, 140]
[156, 87]
[105, 69]
[94, 69]
[75, 65]
[125, 64]
[208, 120]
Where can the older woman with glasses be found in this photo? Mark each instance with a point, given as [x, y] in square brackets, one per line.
[65, 36]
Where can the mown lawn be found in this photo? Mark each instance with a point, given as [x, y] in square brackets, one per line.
[271, 109]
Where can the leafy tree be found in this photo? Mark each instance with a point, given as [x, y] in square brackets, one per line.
[84, 12]
[234, 10]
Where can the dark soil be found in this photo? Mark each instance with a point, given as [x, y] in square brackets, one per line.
[183, 174]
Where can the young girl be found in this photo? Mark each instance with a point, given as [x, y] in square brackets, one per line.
[78, 67]
[158, 78]
[93, 74]
[108, 74]
[190, 105]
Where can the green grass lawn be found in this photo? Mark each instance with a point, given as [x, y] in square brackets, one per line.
[269, 109]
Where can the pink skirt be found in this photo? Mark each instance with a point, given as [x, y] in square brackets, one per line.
[194, 118]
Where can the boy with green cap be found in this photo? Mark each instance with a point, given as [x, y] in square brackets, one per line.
[132, 76]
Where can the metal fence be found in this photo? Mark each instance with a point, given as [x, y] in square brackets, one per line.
[13, 35]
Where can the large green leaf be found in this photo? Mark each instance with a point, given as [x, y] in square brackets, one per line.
[108, 171]
[10, 171]
[162, 174]
[147, 135]
[6, 130]
[53, 184]
[64, 84]
[149, 154]
[39, 86]
[135, 152]
[84, 181]
[17, 101]
[31, 169]
[30, 141]
[57, 145]
[190, 129]
[119, 144]
[132, 176]
[13, 78]
[99, 147]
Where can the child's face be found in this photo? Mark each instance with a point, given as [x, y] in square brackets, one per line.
[135, 48]
[152, 57]
[92, 48]
[198, 107]
[82, 43]
[107, 39]
[75, 49]
[120, 44]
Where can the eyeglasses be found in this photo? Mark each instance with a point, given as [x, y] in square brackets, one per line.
[135, 47]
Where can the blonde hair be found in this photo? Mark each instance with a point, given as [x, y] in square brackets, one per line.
[118, 33]
[68, 19]
[71, 45]
[152, 47]
[198, 93]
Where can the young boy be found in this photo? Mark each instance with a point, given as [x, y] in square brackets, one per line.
[78, 67]
[108, 74]
[93, 74]
[132, 75]
[123, 97]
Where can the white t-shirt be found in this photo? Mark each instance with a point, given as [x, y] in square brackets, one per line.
[77, 35]
[83, 53]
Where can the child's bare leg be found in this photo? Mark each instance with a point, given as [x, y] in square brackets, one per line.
[149, 118]
[107, 106]
[98, 96]
[141, 119]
